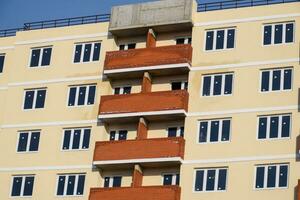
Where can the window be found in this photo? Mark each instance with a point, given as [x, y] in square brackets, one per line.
[40, 56]
[122, 90]
[114, 181]
[87, 52]
[28, 141]
[118, 135]
[217, 84]
[180, 85]
[184, 40]
[22, 186]
[276, 80]
[211, 179]
[34, 99]
[82, 95]
[214, 131]
[2, 57]
[271, 176]
[279, 33]
[274, 126]
[70, 184]
[76, 139]
[175, 131]
[171, 179]
[220, 39]
[127, 46]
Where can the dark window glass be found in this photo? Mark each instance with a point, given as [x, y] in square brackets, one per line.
[206, 86]
[210, 181]
[271, 176]
[199, 180]
[86, 138]
[228, 84]
[285, 128]
[40, 99]
[29, 95]
[260, 174]
[46, 56]
[122, 47]
[220, 39]
[35, 57]
[1, 63]
[23, 139]
[176, 86]
[274, 127]
[177, 179]
[117, 181]
[97, 47]
[180, 41]
[16, 189]
[72, 96]
[225, 130]
[172, 132]
[117, 90]
[209, 40]
[262, 128]
[203, 132]
[267, 35]
[71, 185]
[289, 33]
[91, 96]
[131, 46]
[28, 186]
[265, 78]
[106, 182]
[122, 135]
[81, 97]
[222, 179]
[181, 131]
[67, 138]
[278, 33]
[80, 186]
[87, 52]
[230, 38]
[283, 176]
[276, 80]
[168, 179]
[214, 131]
[76, 139]
[112, 135]
[189, 40]
[218, 85]
[34, 141]
[186, 85]
[61, 185]
[127, 90]
[287, 83]
[77, 56]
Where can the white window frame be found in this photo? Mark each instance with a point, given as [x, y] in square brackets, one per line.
[72, 138]
[186, 39]
[212, 84]
[126, 45]
[66, 185]
[77, 95]
[205, 179]
[117, 134]
[215, 39]
[82, 52]
[22, 185]
[4, 55]
[178, 131]
[173, 177]
[281, 80]
[28, 141]
[273, 33]
[182, 83]
[34, 99]
[111, 180]
[279, 127]
[266, 166]
[40, 56]
[121, 89]
[209, 121]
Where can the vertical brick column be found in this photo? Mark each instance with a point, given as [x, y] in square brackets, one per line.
[298, 189]
[147, 83]
[151, 39]
[142, 129]
[137, 178]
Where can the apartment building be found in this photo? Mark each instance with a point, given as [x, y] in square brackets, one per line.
[166, 100]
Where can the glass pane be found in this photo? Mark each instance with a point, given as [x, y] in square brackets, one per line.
[80, 186]
[177, 179]
[206, 86]
[46, 56]
[283, 176]
[127, 90]
[210, 182]
[267, 35]
[77, 56]
[67, 138]
[35, 57]
[287, 85]
[176, 86]
[76, 139]
[265, 80]
[34, 141]
[40, 99]
[214, 131]
[81, 96]
[271, 176]
[262, 128]
[71, 185]
[131, 46]
[87, 52]
[16, 189]
[172, 132]
[220, 39]
[203, 132]
[23, 138]
[121, 47]
[260, 174]
[230, 38]
[274, 127]
[168, 179]
[112, 135]
[91, 97]
[117, 181]
[278, 33]
[117, 90]
[285, 128]
[28, 186]
[97, 48]
[228, 84]
[123, 135]
[106, 182]
[218, 85]
[289, 33]
[86, 138]
[222, 179]
[225, 130]
[199, 180]
[276, 80]
[29, 95]
[180, 41]
[72, 96]
[1, 63]
[209, 40]
[61, 185]
[181, 131]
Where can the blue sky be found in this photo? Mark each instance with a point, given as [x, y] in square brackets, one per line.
[14, 13]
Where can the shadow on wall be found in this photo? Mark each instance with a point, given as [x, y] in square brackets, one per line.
[299, 94]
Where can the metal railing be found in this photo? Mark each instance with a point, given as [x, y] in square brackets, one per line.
[203, 7]
[9, 32]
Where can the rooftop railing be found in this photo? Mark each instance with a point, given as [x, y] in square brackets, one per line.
[10, 32]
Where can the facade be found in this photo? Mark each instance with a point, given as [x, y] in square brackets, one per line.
[165, 100]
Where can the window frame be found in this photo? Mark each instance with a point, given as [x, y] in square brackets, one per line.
[28, 141]
[186, 39]
[212, 85]
[121, 89]
[40, 57]
[72, 139]
[117, 133]
[225, 39]
[65, 184]
[178, 131]
[182, 86]
[34, 99]
[3, 67]
[23, 176]
[174, 174]
[111, 181]
[283, 33]
[126, 46]
[82, 52]
[77, 96]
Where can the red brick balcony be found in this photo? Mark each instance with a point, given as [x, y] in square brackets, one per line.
[136, 193]
[143, 104]
[143, 150]
[139, 59]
